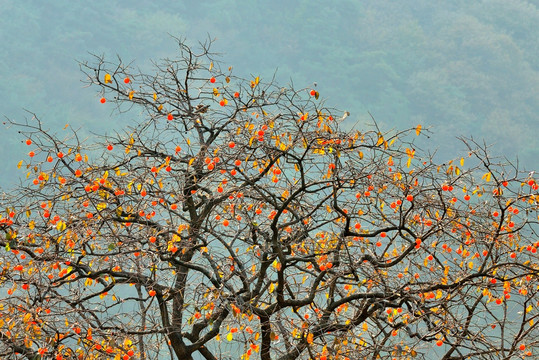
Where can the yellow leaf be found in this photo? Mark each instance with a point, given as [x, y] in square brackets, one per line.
[154, 96]
[108, 79]
[61, 226]
[19, 164]
[211, 66]
[255, 82]
[461, 161]
[229, 336]
[160, 107]
[418, 130]
[131, 93]
[365, 326]
[27, 317]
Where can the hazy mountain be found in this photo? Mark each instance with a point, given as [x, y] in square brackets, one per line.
[462, 68]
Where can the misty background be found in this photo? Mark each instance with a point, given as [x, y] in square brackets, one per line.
[457, 67]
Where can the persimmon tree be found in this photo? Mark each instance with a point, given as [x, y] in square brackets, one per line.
[239, 219]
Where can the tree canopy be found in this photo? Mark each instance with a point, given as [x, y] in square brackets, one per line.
[236, 218]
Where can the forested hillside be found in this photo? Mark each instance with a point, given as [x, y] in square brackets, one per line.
[460, 67]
